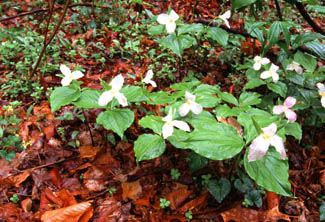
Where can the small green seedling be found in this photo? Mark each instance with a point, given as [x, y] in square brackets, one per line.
[14, 198]
[111, 191]
[188, 215]
[164, 203]
[175, 174]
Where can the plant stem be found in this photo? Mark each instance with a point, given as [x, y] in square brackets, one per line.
[87, 125]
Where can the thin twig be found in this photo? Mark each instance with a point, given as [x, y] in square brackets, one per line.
[87, 125]
[278, 9]
[49, 40]
[306, 16]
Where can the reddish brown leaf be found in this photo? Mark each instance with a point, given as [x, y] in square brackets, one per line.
[88, 152]
[26, 204]
[56, 177]
[131, 190]
[178, 195]
[75, 213]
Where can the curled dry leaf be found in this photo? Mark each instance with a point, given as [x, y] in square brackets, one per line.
[81, 212]
[26, 204]
[95, 179]
[88, 152]
[178, 195]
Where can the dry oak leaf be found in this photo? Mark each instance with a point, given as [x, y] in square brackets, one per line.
[131, 190]
[81, 212]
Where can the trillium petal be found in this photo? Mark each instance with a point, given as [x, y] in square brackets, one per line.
[265, 75]
[278, 109]
[121, 99]
[105, 98]
[167, 130]
[169, 117]
[291, 115]
[149, 75]
[289, 102]
[66, 81]
[270, 130]
[184, 109]
[257, 59]
[189, 96]
[274, 68]
[173, 15]
[321, 87]
[277, 142]
[153, 83]
[226, 22]
[226, 15]
[290, 67]
[298, 69]
[265, 61]
[65, 70]
[258, 148]
[170, 27]
[77, 75]
[257, 66]
[117, 82]
[196, 108]
[323, 101]
[163, 19]
[275, 77]
[181, 125]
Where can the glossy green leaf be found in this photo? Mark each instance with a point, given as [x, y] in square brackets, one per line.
[227, 97]
[197, 161]
[271, 172]
[156, 30]
[293, 129]
[249, 98]
[62, 96]
[177, 43]
[237, 4]
[154, 123]
[253, 83]
[117, 120]
[219, 35]
[317, 48]
[306, 60]
[88, 99]
[279, 88]
[194, 28]
[149, 146]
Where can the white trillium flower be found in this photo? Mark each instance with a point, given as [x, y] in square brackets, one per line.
[261, 144]
[259, 61]
[190, 104]
[168, 20]
[148, 79]
[107, 96]
[321, 92]
[68, 75]
[294, 66]
[271, 73]
[168, 127]
[225, 17]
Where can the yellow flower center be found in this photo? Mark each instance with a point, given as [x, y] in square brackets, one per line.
[169, 123]
[258, 60]
[284, 108]
[322, 94]
[267, 136]
[70, 76]
[189, 102]
[171, 20]
[113, 91]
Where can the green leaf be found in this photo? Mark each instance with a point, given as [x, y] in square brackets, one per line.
[219, 35]
[194, 28]
[219, 189]
[317, 48]
[227, 97]
[8, 156]
[1, 132]
[271, 172]
[253, 83]
[216, 141]
[237, 4]
[197, 161]
[117, 120]
[148, 146]
[322, 211]
[279, 88]
[160, 98]
[203, 119]
[205, 95]
[133, 93]
[306, 37]
[88, 99]
[225, 111]
[62, 96]
[152, 122]
[318, 8]
[185, 86]
[249, 98]
[253, 30]
[177, 43]
[295, 78]
[307, 61]
[156, 30]
[254, 197]
[273, 33]
[293, 129]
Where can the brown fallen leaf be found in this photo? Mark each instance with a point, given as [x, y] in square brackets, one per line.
[88, 152]
[178, 195]
[131, 190]
[26, 204]
[18, 179]
[81, 212]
